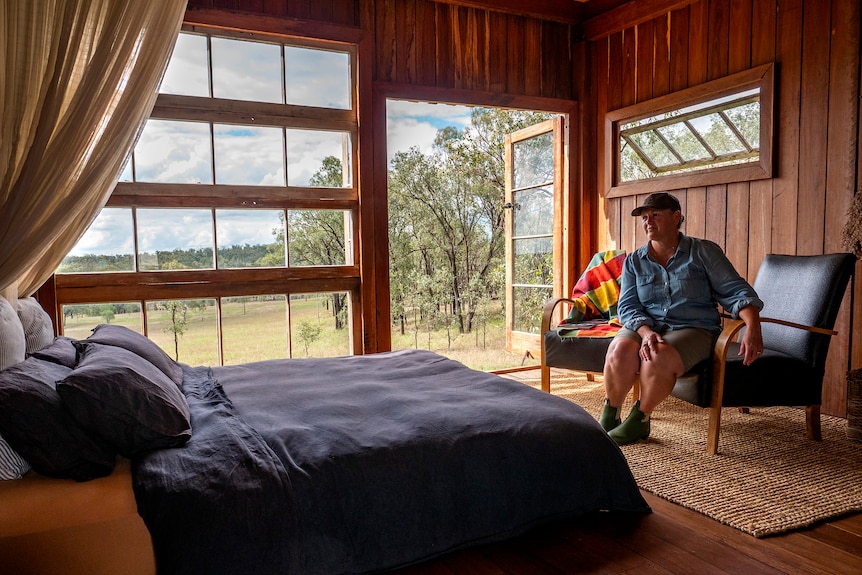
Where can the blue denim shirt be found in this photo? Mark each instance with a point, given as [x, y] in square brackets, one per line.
[686, 292]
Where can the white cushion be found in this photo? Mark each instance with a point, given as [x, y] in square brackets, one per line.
[38, 328]
[12, 465]
[12, 344]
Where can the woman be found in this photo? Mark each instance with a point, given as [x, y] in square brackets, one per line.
[669, 293]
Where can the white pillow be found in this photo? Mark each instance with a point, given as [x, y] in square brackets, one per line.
[38, 328]
[12, 465]
[12, 344]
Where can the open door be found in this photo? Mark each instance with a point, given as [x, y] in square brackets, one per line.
[535, 189]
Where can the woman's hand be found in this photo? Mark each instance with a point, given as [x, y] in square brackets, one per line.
[649, 344]
[751, 347]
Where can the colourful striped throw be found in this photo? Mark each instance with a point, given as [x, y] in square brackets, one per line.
[594, 313]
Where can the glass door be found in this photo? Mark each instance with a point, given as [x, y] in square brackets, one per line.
[534, 177]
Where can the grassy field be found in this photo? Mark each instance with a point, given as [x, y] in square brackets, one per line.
[257, 330]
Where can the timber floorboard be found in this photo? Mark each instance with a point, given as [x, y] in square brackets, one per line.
[670, 540]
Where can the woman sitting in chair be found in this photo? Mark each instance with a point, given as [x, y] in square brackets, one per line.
[669, 293]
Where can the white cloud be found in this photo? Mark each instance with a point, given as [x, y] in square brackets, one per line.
[410, 124]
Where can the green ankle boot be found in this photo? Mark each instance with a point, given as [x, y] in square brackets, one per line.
[634, 428]
[610, 417]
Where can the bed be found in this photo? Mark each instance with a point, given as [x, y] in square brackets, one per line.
[342, 465]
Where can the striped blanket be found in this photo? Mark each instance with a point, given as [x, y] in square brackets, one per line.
[594, 313]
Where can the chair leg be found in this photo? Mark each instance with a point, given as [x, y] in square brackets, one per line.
[591, 376]
[743, 409]
[546, 378]
[812, 422]
[714, 425]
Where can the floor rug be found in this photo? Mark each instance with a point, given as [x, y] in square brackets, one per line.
[767, 478]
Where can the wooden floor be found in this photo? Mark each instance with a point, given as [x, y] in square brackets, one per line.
[670, 540]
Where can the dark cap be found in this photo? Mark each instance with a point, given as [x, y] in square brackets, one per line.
[658, 201]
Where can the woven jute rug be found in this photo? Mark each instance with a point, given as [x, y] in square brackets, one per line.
[767, 478]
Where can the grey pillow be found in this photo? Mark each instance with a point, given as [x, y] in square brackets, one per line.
[34, 423]
[12, 343]
[121, 336]
[124, 400]
[38, 328]
[61, 351]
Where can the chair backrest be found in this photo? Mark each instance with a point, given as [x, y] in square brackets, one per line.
[806, 290]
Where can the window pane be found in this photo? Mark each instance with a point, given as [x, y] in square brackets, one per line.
[126, 174]
[254, 328]
[719, 136]
[80, 319]
[187, 71]
[319, 325]
[654, 148]
[248, 155]
[684, 142]
[174, 152]
[245, 70]
[186, 329]
[534, 261]
[747, 120]
[250, 238]
[534, 212]
[107, 245]
[316, 155]
[534, 161]
[317, 77]
[316, 237]
[175, 239]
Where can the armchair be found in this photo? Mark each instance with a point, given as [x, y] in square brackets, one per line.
[802, 295]
[581, 341]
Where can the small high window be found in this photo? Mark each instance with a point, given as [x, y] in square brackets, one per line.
[715, 133]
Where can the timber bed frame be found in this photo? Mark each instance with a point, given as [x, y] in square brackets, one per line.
[51, 526]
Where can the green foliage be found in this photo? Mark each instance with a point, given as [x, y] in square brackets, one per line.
[308, 334]
[446, 224]
[178, 311]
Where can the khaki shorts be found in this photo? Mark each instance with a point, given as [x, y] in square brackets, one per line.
[693, 344]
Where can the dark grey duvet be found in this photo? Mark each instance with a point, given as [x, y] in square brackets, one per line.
[366, 463]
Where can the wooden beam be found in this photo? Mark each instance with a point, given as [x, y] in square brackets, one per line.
[627, 15]
[568, 12]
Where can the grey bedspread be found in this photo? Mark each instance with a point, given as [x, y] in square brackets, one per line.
[360, 464]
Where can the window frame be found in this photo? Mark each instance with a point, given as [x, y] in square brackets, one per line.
[144, 286]
[762, 77]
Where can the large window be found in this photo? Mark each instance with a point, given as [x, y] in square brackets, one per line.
[229, 236]
[715, 133]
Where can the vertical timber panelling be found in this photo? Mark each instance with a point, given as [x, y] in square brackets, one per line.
[802, 209]
[788, 52]
[760, 197]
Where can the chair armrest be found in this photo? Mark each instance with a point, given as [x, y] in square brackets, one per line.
[732, 328]
[810, 328]
[548, 312]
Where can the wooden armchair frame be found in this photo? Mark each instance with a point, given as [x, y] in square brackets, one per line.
[727, 336]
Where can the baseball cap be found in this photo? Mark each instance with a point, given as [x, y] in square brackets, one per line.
[658, 201]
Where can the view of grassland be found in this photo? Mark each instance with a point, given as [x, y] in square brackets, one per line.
[257, 330]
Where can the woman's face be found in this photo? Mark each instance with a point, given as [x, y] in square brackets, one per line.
[660, 224]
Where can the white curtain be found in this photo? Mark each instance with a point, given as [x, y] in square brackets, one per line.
[78, 78]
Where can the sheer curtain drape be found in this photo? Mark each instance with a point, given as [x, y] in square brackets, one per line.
[77, 80]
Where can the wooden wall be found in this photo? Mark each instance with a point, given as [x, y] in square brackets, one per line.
[436, 50]
[801, 210]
